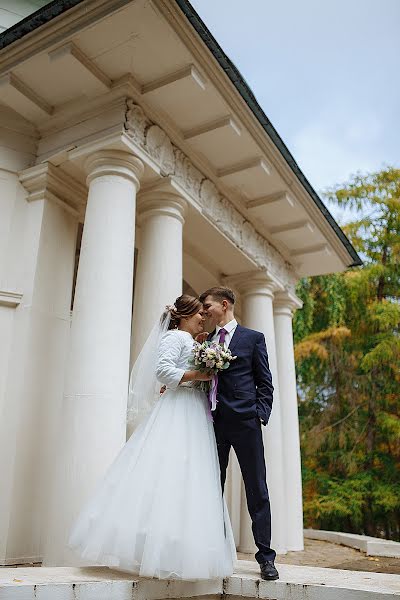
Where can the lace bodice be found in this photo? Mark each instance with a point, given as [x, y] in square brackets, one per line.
[173, 357]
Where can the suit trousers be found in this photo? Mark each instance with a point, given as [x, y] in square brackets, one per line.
[245, 437]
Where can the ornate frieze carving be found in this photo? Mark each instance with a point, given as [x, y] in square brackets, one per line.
[187, 175]
[174, 163]
[136, 123]
[160, 149]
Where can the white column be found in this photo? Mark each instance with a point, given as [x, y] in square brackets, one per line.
[284, 304]
[257, 294]
[159, 267]
[93, 414]
[40, 218]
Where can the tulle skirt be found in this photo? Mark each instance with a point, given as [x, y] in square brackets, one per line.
[159, 511]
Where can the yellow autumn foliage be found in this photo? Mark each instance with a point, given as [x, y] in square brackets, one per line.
[313, 345]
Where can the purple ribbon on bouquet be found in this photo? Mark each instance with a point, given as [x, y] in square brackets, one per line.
[212, 394]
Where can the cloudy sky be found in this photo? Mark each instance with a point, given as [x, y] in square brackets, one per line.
[327, 75]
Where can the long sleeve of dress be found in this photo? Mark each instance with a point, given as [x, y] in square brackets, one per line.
[168, 358]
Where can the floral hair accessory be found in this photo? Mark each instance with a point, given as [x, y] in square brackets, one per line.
[171, 307]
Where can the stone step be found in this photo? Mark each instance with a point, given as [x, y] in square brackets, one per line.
[98, 583]
[372, 546]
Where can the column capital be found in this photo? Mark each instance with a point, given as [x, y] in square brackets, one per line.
[114, 162]
[253, 283]
[161, 199]
[45, 181]
[285, 303]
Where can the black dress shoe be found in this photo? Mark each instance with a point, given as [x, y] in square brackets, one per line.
[268, 571]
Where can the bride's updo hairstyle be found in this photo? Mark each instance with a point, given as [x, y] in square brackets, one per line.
[184, 306]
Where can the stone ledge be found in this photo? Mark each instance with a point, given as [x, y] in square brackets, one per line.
[10, 298]
[97, 583]
[371, 545]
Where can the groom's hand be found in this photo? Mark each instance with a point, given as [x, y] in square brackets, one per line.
[202, 337]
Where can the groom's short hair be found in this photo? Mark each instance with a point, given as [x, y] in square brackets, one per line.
[219, 294]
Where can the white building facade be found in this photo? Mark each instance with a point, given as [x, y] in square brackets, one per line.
[134, 164]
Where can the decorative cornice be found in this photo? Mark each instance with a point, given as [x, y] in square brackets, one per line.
[173, 163]
[48, 181]
[10, 299]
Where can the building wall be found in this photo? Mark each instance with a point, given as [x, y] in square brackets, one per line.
[37, 246]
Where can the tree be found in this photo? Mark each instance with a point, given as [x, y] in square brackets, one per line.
[348, 358]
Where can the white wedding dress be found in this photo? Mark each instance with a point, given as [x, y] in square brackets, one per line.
[159, 510]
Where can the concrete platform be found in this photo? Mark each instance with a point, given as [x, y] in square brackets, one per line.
[372, 546]
[296, 583]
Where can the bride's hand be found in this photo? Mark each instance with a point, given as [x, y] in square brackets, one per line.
[201, 337]
[203, 376]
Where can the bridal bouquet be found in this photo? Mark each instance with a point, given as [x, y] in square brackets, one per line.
[211, 357]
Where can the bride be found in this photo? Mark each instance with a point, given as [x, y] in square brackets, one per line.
[159, 510]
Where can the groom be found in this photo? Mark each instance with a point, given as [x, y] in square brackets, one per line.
[244, 399]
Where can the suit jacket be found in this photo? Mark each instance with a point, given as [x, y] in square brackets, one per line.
[245, 389]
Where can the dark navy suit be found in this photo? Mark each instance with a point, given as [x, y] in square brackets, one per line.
[244, 396]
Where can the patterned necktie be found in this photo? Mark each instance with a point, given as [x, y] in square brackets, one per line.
[222, 334]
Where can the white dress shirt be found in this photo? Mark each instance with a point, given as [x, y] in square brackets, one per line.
[230, 329]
